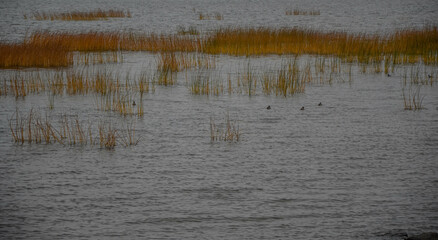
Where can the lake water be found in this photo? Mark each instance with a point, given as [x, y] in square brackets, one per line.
[357, 167]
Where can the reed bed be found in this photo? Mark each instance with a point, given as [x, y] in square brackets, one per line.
[229, 131]
[31, 55]
[404, 46]
[97, 14]
[33, 128]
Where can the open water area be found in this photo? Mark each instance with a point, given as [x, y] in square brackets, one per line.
[356, 166]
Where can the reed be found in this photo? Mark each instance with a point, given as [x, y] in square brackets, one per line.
[204, 83]
[412, 99]
[287, 80]
[166, 77]
[107, 136]
[127, 137]
[97, 14]
[229, 131]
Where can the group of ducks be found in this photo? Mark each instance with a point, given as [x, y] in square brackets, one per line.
[302, 108]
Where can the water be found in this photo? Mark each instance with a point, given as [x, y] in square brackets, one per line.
[357, 167]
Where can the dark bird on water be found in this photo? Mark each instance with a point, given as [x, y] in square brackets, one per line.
[302, 108]
[269, 107]
[319, 104]
[389, 75]
[133, 103]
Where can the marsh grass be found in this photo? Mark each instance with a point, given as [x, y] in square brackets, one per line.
[97, 14]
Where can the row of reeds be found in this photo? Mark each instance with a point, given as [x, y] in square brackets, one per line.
[285, 80]
[73, 82]
[51, 49]
[33, 128]
[302, 12]
[97, 14]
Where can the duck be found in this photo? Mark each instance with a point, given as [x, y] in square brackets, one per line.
[389, 75]
[269, 107]
[319, 104]
[133, 103]
[302, 108]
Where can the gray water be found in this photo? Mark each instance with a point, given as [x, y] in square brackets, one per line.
[357, 167]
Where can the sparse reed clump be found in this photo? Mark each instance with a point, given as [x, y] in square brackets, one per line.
[216, 16]
[412, 99]
[97, 14]
[229, 131]
[287, 80]
[33, 128]
[302, 12]
[189, 31]
[203, 83]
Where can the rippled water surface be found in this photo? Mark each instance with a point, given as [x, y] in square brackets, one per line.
[357, 167]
